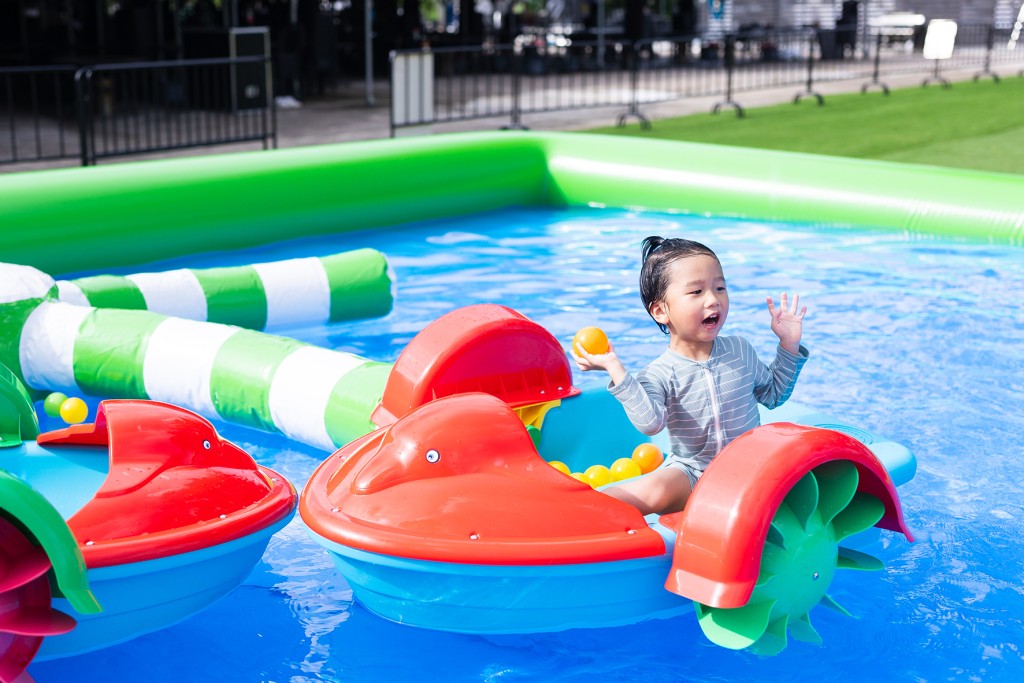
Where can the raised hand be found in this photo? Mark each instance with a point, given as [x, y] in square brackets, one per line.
[788, 322]
[600, 361]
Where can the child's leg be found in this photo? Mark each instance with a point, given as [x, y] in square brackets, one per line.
[664, 490]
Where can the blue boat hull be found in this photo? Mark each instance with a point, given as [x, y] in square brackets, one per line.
[142, 597]
[508, 598]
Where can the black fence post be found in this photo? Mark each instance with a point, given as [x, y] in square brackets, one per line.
[730, 65]
[987, 69]
[634, 92]
[810, 73]
[874, 71]
[86, 138]
[517, 66]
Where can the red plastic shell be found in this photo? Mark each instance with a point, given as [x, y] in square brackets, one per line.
[174, 485]
[484, 347]
[717, 555]
[458, 480]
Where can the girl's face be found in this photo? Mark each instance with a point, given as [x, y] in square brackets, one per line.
[695, 306]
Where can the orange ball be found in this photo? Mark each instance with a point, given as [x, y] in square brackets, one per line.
[625, 468]
[591, 339]
[648, 457]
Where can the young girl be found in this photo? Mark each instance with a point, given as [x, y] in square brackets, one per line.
[704, 388]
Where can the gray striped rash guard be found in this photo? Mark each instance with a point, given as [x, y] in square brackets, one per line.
[707, 404]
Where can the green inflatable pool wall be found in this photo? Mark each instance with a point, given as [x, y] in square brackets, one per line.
[70, 220]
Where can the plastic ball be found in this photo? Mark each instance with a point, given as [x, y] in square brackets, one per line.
[625, 468]
[578, 475]
[597, 475]
[560, 466]
[592, 339]
[74, 411]
[52, 403]
[648, 457]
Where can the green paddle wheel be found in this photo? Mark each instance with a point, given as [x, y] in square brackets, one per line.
[801, 555]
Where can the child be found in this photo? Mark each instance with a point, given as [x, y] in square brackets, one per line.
[704, 388]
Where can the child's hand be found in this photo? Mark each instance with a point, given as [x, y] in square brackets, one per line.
[787, 322]
[600, 361]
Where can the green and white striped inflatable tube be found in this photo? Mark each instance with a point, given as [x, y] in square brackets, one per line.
[352, 285]
[312, 395]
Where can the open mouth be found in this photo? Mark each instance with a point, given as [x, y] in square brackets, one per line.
[711, 320]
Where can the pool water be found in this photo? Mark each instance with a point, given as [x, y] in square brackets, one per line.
[916, 339]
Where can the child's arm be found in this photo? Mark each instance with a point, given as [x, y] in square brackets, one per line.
[788, 322]
[645, 411]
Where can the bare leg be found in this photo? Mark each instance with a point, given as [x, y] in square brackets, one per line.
[662, 491]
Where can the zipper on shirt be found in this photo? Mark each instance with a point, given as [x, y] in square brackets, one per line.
[709, 380]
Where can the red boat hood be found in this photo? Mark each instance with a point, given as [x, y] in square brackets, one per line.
[459, 480]
[173, 486]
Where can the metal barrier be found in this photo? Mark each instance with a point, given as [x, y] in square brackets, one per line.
[114, 110]
[541, 75]
[148, 107]
[37, 110]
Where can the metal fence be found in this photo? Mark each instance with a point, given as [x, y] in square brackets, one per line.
[544, 74]
[161, 106]
[37, 106]
[105, 111]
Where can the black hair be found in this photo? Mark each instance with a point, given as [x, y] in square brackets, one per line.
[657, 253]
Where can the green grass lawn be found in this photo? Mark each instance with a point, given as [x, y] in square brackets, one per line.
[971, 125]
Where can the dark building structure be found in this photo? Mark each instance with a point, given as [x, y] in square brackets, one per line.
[313, 42]
[317, 43]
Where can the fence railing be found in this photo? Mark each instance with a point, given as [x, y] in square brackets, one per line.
[37, 114]
[162, 106]
[544, 75]
[114, 110]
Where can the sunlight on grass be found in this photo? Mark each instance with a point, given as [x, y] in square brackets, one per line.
[971, 125]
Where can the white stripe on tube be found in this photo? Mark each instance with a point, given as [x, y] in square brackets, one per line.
[175, 292]
[47, 349]
[297, 292]
[71, 293]
[179, 360]
[301, 388]
[18, 283]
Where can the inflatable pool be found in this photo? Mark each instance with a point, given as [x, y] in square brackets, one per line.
[265, 198]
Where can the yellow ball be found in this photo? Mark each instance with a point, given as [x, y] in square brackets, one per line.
[592, 339]
[597, 475]
[74, 411]
[579, 475]
[625, 468]
[648, 457]
[560, 466]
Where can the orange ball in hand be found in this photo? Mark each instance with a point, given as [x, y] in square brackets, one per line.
[592, 339]
[648, 457]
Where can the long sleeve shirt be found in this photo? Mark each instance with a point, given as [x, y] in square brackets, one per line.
[707, 404]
